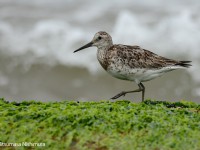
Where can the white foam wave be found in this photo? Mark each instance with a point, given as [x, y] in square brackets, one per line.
[49, 42]
[53, 41]
[175, 34]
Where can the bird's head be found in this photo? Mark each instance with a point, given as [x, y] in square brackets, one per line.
[100, 39]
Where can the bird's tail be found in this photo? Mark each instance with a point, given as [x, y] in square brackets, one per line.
[184, 64]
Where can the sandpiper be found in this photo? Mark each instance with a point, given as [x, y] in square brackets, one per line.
[131, 63]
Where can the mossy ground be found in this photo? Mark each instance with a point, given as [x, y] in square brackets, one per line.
[120, 125]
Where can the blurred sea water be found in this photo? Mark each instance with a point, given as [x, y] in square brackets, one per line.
[37, 40]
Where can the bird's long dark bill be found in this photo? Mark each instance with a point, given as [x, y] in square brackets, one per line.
[83, 47]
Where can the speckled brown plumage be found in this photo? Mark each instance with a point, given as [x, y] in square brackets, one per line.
[131, 63]
[136, 57]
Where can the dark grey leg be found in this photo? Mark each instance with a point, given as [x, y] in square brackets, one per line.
[141, 88]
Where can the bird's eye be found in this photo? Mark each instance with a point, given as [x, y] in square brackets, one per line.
[99, 38]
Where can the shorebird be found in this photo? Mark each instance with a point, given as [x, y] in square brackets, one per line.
[131, 63]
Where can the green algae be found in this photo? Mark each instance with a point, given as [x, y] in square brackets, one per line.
[101, 125]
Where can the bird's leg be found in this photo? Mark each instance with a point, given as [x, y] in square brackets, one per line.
[123, 93]
[141, 88]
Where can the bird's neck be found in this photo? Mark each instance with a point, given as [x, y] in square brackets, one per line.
[102, 49]
[101, 54]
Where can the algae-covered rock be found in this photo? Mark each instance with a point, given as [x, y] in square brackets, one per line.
[101, 125]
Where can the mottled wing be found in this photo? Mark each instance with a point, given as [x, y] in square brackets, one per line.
[136, 57]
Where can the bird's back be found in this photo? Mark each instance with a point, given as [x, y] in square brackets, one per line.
[136, 57]
[132, 62]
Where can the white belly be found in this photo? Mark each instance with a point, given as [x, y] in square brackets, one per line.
[138, 75]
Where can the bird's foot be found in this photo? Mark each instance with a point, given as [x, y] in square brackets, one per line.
[119, 95]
